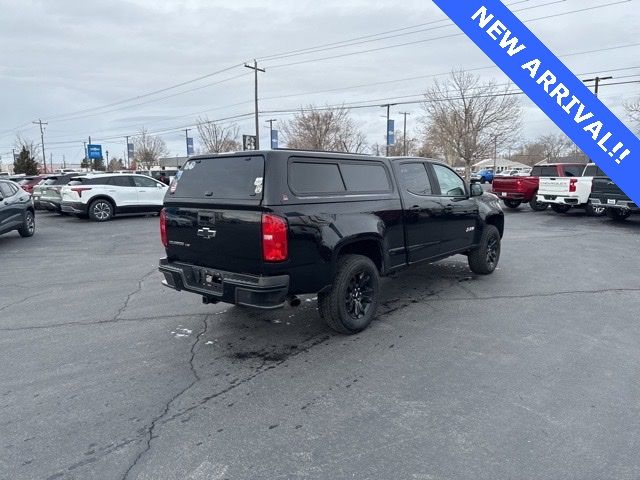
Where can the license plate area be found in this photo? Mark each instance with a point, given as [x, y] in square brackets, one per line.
[206, 278]
[504, 194]
[611, 202]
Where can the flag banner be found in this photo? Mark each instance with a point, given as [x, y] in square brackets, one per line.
[563, 97]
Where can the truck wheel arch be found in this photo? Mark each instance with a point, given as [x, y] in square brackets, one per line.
[370, 247]
[497, 221]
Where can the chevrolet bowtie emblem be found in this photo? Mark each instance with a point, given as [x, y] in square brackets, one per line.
[206, 233]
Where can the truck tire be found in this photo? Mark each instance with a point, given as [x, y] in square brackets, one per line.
[483, 180]
[351, 303]
[560, 208]
[28, 227]
[101, 210]
[484, 259]
[617, 214]
[512, 204]
[537, 206]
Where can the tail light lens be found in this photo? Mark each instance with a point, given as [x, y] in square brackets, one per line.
[573, 184]
[163, 228]
[79, 190]
[275, 242]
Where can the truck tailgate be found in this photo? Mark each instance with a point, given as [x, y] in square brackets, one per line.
[554, 186]
[218, 238]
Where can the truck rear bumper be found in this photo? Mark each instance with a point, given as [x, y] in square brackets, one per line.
[560, 199]
[511, 196]
[613, 203]
[228, 287]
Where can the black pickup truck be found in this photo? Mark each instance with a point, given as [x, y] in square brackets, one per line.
[618, 205]
[259, 228]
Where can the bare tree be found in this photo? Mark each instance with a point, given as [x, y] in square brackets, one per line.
[633, 110]
[555, 146]
[217, 138]
[468, 118]
[330, 129]
[148, 149]
[397, 149]
[26, 143]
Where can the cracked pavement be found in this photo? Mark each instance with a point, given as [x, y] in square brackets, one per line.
[529, 373]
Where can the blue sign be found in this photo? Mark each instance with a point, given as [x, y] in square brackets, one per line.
[130, 150]
[391, 132]
[274, 139]
[189, 146]
[94, 152]
[551, 85]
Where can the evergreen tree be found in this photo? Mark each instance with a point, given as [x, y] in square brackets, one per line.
[98, 164]
[85, 164]
[25, 163]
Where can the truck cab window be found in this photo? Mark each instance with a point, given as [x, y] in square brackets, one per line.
[451, 185]
[415, 179]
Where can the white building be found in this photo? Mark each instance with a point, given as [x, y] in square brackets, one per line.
[501, 165]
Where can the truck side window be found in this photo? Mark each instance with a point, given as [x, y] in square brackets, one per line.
[451, 185]
[415, 179]
[573, 170]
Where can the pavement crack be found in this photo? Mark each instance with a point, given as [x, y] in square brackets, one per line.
[261, 369]
[138, 289]
[18, 302]
[150, 434]
[542, 295]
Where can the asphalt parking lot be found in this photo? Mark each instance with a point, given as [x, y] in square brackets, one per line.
[532, 372]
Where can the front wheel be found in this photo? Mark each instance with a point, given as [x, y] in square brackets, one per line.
[560, 208]
[484, 259]
[100, 210]
[512, 204]
[351, 303]
[618, 214]
[28, 227]
[537, 206]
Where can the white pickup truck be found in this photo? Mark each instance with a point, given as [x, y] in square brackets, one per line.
[563, 193]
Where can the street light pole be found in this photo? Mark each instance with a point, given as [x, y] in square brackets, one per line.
[186, 138]
[270, 122]
[404, 133]
[44, 157]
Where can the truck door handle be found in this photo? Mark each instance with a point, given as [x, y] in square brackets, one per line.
[415, 209]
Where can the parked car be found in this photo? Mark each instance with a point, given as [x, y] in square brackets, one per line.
[483, 176]
[565, 193]
[617, 204]
[46, 195]
[16, 210]
[514, 191]
[258, 229]
[102, 196]
[28, 183]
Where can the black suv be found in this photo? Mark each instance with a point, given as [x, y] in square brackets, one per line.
[259, 228]
[16, 210]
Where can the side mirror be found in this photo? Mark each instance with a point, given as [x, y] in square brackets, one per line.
[476, 190]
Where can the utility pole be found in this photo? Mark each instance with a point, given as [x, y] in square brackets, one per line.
[597, 84]
[404, 134]
[44, 157]
[50, 161]
[89, 162]
[495, 153]
[270, 122]
[255, 69]
[186, 139]
[127, 151]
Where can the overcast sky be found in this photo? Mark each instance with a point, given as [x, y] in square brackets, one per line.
[59, 57]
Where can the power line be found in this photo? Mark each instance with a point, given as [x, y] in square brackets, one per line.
[415, 42]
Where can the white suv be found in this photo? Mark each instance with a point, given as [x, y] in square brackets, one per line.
[101, 196]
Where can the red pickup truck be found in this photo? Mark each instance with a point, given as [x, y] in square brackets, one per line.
[517, 190]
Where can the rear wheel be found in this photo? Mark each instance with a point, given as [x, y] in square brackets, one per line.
[537, 206]
[482, 180]
[513, 204]
[28, 227]
[484, 259]
[100, 210]
[351, 303]
[618, 214]
[560, 208]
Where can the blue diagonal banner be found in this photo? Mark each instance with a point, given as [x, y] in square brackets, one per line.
[551, 86]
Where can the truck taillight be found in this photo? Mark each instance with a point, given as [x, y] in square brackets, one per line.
[573, 184]
[163, 228]
[275, 242]
[79, 190]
